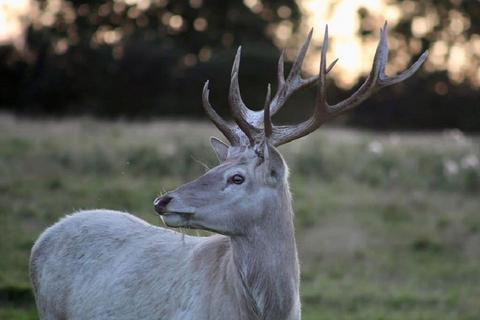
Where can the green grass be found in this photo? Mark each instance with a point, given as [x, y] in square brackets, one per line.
[388, 225]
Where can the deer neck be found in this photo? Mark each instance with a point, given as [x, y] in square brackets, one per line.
[267, 264]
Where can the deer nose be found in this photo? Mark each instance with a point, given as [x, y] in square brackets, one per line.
[160, 203]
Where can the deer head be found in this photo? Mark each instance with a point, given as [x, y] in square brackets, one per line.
[252, 177]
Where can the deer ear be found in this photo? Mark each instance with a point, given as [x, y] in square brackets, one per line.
[220, 148]
[274, 165]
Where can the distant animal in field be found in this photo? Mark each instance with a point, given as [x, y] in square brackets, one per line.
[102, 264]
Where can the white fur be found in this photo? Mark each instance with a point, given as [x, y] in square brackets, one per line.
[110, 265]
[103, 264]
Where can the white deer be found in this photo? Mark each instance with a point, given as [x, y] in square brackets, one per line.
[103, 264]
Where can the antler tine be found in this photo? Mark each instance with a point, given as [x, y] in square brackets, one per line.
[294, 80]
[321, 108]
[377, 78]
[297, 64]
[289, 133]
[238, 108]
[280, 67]
[222, 125]
[267, 121]
[407, 73]
[330, 67]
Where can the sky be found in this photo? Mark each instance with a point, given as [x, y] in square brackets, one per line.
[11, 20]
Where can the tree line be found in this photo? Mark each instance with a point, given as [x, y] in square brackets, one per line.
[151, 58]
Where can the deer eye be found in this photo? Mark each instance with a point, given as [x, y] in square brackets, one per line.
[237, 179]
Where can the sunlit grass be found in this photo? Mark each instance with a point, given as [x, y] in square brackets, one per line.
[388, 225]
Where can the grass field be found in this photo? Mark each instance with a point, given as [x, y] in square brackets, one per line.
[388, 225]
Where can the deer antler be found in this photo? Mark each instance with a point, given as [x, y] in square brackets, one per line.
[323, 111]
[248, 128]
[228, 130]
[248, 124]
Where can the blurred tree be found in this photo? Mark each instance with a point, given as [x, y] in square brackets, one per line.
[137, 57]
[447, 95]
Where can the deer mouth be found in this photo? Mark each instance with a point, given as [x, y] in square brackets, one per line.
[173, 214]
[179, 213]
[176, 218]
